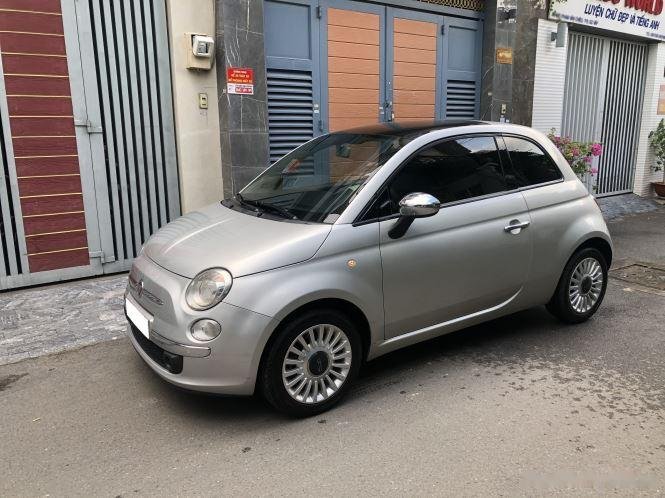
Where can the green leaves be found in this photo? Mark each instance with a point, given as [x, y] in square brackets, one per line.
[657, 141]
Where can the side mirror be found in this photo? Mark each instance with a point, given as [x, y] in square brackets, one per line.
[419, 205]
[412, 206]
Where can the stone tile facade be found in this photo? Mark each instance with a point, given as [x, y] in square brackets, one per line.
[55, 318]
[644, 174]
[243, 118]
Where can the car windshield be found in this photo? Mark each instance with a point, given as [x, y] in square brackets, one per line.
[317, 181]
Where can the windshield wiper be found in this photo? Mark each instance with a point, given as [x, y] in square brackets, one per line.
[275, 209]
[265, 206]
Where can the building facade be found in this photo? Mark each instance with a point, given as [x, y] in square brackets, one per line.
[98, 115]
[321, 66]
[118, 116]
[589, 71]
[607, 84]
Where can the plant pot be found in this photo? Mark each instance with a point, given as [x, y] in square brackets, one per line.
[659, 187]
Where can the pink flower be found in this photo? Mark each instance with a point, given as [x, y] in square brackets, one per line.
[593, 171]
[596, 149]
[587, 159]
[576, 151]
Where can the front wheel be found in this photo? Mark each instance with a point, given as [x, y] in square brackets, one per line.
[581, 288]
[311, 364]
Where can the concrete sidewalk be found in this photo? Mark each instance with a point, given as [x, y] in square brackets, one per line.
[55, 318]
[59, 317]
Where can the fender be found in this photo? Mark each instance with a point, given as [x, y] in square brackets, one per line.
[569, 224]
[286, 289]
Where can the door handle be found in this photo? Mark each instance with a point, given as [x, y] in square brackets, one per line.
[390, 113]
[515, 226]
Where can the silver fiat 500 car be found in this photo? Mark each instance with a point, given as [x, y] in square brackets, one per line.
[358, 243]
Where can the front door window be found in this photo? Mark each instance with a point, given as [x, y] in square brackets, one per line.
[453, 170]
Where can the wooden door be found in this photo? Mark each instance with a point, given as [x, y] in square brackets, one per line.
[354, 60]
[414, 67]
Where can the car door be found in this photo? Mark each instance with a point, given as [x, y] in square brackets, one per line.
[465, 259]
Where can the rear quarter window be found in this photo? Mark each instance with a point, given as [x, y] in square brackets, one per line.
[528, 164]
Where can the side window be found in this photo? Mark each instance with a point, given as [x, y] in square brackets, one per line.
[382, 206]
[452, 170]
[529, 164]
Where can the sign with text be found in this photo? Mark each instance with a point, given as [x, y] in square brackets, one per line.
[240, 80]
[635, 17]
[504, 55]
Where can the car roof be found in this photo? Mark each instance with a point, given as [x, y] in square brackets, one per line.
[412, 128]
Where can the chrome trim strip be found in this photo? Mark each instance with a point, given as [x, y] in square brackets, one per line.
[418, 332]
[177, 348]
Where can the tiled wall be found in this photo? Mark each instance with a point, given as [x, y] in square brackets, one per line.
[644, 175]
[549, 80]
[42, 127]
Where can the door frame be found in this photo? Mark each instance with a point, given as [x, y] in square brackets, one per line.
[10, 201]
[87, 123]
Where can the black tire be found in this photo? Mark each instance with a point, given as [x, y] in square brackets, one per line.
[560, 304]
[271, 383]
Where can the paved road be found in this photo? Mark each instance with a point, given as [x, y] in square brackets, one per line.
[521, 405]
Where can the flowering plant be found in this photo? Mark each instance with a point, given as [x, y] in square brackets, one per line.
[578, 154]
[657, 141]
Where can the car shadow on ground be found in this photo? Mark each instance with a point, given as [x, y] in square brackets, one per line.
[504, 336]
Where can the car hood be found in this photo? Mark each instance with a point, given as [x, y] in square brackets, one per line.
[217, 236]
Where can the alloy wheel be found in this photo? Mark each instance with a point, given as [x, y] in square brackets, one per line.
[586, 283]
[317, 363]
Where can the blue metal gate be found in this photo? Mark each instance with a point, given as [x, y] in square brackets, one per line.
[347, 56]
[292, 68]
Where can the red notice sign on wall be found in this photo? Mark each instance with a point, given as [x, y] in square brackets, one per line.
[240, 80]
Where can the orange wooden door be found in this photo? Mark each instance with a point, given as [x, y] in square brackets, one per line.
[414, 69]
[354, 67]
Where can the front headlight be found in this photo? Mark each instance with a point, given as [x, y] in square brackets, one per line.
[208, 288]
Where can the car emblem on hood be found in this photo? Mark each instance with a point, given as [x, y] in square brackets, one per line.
[138, 286]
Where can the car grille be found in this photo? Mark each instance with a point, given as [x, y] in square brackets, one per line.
[169, 361]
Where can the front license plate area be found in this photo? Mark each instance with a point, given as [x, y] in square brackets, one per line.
[138, 318]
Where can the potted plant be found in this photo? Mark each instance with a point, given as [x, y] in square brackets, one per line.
[657, 141]
[578, 154]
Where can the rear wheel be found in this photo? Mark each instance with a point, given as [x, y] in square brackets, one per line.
[311, 364]
[581, 288]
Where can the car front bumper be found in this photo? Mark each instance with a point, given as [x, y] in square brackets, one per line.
[226, 365]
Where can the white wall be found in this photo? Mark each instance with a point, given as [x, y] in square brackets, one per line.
[197, 130]
[654, 78]
[549, 80]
